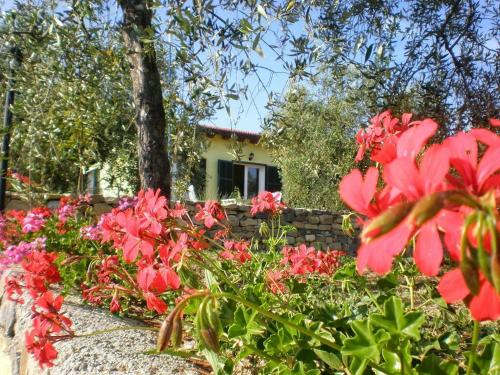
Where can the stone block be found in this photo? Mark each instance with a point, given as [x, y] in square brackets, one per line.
[233, 219]
[101, 208]
[248, 222]
[96, 198]
[311, 226]
[298, 224]
[313, 219]
[310, 237]
[326, 219]
[16, 204]
[325, 227]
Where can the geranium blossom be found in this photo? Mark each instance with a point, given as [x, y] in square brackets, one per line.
[427, 192]
[267, 202]
[209, 213]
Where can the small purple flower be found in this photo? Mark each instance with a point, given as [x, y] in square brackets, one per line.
[127, 202]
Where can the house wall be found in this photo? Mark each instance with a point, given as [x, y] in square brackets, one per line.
[218, 149]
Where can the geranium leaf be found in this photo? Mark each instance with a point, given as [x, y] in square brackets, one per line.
[395, 321]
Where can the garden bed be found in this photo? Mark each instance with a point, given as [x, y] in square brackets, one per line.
[119, 352]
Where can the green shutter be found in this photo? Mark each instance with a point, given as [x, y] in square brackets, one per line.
[273, 179]
[225, 178]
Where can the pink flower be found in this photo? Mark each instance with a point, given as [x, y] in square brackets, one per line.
[210, 213]
[267, 202]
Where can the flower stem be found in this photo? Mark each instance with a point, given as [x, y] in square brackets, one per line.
[129, 328]
[472, 354]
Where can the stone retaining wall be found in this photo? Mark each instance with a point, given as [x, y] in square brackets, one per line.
[314, 227]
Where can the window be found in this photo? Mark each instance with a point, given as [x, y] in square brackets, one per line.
[248, 179]
[92, 181]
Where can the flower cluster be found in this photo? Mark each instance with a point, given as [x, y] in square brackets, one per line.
[267, 202]
[303, 261]
[210, 213]
[49, 323]
[236, 250]
[92, 232]
[448, 190]
[14, 254]
[126, 202]
[380, 137]
[35, 219]
[10, 226]
[68, 207]
[154, 237]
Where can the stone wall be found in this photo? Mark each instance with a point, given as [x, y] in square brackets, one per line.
[314, 227]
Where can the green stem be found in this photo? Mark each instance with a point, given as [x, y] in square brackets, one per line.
[373, 300]
[472, 354]
[104, 331]
[279, 319]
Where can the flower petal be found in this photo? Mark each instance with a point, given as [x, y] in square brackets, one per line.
[452, 286]
[486, 305]
[489, 164]
[412, 140]
[402, 174]
[428, 250]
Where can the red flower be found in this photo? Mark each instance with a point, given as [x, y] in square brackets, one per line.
[13, 288]
[267, 202]
[38, 343]
[154, 303]
[484, 306]
[237, 251]
[495, 122]
[274, 281]
[210, 213]
[114, 306]
[477, 178]
[358, 193]
[136, 239]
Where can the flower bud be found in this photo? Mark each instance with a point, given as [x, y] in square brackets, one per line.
[471, 275]
[426, 208]
[208, 325]
[165, 332]
[177, 331]
[386, 221]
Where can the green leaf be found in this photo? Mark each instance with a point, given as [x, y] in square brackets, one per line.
[261, 11]
[329, 358]
[365, 344]
[395, 321]
[489, 360]
[433, 365]
[368, 52]
[244, 324]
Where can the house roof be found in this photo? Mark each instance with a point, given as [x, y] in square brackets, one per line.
[226, 133]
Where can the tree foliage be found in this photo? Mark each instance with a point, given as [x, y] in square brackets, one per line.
[73, 104]
[311, 138]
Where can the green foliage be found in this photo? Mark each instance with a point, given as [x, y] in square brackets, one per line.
[311, 138]
[73, 107]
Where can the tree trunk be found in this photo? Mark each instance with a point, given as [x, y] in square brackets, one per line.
[154, 168]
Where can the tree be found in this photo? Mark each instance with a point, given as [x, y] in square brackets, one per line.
[442, 53]
[68, 115]
[311, 138]
[154, 168]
